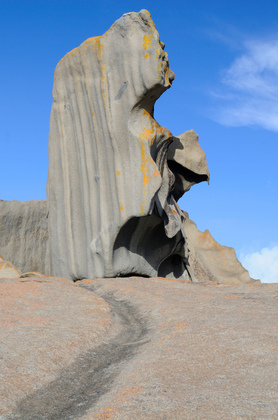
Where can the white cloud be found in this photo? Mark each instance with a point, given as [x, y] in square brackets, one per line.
[249, 87]
[262, 265]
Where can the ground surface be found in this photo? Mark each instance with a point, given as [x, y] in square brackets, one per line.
[137, 348]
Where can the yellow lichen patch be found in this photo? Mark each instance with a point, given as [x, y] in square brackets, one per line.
[148, 13]
[167, 76]
[144, 167]
[142, 207]
[99, 46]
[146, 136]
[147, 41]
[147, 55]
[122, 207]
[118, 173]
[72, 52]
[93, 41]
[163, 131]
[158, 52]
[69, 54]
[103, 82]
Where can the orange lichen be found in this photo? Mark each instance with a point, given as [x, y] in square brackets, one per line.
[147, 41]
[158, 51]
[147, 55]
[144, 137]
[156, 173]
[103, 82]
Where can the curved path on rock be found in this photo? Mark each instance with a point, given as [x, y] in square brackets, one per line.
[166, 350]
[91, 375]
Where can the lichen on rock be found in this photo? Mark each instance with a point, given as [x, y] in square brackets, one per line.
[111, 193]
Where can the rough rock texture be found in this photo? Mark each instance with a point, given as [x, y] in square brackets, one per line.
[210, 261]
[135, 348]
[45, 324]
[111, 195]
[188, 162]
[115, 174]
[24, 235]
[7, 270]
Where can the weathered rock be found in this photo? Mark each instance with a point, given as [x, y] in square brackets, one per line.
[8, 270]
[210, 261]
[45, 324]
[111, 194]
[188, 162]
[32, 274]
[137, 348]
[115, 174]
[24, 235]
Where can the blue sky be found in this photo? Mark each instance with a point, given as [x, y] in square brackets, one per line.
[225, 57]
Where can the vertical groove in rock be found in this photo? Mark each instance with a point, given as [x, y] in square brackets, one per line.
[108, 157]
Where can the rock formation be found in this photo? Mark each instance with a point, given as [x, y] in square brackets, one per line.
[24, 235]
[114, 173]
[210, 261]
[27, 246]
[8, 270]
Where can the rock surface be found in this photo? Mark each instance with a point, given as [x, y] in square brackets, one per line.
[210, 261]
[24, 234]
[7, 270]
[115, 174]
[137, 348]
[111, 189]
[188, 162]
[46, 323]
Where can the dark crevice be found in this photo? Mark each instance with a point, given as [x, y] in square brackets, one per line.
[189, 175]
[181, 172]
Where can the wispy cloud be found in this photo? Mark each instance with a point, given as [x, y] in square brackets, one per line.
[262, 265]
[248, 92]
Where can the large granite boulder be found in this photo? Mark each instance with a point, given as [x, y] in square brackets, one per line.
[114, 173]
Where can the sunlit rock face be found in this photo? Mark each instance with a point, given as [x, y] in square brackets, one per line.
[210, 261]
[114, 173]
